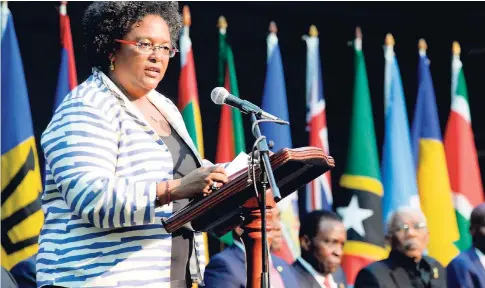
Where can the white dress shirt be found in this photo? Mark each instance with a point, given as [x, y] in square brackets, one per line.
[481, 257]
[317, 275]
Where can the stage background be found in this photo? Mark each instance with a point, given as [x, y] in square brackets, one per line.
[37, 27]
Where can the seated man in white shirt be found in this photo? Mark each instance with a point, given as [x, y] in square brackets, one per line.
[322, 238]
[467, 270]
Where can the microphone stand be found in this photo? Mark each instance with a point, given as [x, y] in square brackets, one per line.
[266, 178]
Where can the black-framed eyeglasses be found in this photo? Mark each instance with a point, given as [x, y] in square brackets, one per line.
[149, 48]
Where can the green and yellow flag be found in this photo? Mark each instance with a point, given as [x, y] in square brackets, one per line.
[360, 201]
[230, 140]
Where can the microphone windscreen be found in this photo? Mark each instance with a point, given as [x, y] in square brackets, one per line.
[218, 95]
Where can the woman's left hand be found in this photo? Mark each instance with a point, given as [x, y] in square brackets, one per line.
[199, 181]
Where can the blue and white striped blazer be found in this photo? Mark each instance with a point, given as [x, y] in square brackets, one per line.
[103, 161]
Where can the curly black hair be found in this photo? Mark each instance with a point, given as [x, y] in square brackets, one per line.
[105, 21]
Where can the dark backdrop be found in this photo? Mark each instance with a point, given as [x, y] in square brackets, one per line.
[37, 26]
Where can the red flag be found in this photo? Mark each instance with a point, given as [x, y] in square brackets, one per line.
[67, 72]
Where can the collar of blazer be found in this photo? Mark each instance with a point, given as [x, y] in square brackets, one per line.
[173, 116]
[163, 104]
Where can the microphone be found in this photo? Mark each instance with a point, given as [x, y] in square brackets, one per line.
[220, 95]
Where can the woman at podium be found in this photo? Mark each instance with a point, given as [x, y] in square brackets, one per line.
[119, 159]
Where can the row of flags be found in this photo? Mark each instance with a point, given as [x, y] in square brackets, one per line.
[406, 162]
[418, 168]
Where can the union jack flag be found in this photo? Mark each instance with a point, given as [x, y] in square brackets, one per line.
[318, 194]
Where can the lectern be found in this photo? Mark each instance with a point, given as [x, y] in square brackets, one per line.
[236, 203]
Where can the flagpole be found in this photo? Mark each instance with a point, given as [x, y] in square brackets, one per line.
[390, 40]
[455, 67]
[3, 24]
[388, 55]
[456, 48]
[187, 20]
[222, 25]
[422, 46]
[358, 39]
[63, 8]
[3, 13]
[186, 16]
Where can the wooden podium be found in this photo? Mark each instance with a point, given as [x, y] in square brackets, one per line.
[235, 204]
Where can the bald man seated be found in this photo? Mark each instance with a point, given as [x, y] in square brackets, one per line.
[467, 270]
[406, 265]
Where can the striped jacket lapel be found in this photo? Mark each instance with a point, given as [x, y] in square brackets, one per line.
[173, 116]
[129, 107]
[163, 104]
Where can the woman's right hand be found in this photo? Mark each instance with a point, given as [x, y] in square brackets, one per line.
[199, 181]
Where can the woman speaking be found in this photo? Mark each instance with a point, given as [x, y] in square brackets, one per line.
[119, 159]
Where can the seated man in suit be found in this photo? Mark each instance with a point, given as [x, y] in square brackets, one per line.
[406, 265]
[228, 268]
[467, 270]
[322, 238]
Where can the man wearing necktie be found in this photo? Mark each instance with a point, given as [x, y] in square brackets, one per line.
[322, 238]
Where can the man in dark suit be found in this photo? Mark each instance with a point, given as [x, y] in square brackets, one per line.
[228, 268]
[322, 238]
[467, 270]
[406, 266]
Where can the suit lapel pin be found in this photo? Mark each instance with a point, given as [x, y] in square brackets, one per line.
[435, 273]
[279, 268]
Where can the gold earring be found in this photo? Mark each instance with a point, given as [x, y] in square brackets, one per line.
[111, 66]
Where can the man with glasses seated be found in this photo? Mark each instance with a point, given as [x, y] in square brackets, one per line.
[406, 265]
